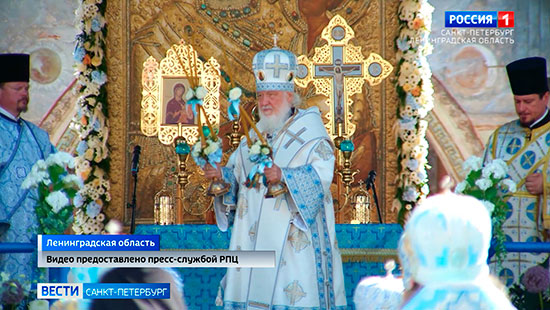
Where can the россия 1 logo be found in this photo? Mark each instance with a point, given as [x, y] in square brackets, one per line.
[479, 19]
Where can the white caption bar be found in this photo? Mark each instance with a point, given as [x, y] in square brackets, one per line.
[253, 259]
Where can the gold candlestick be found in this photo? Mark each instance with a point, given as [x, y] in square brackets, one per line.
[183, 175]
[346, 173]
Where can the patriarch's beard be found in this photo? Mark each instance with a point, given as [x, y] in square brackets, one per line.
[272, 123]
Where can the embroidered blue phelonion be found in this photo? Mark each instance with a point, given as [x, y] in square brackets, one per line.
[234, 101]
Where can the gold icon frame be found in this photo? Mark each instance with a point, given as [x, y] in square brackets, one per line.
[180, 63]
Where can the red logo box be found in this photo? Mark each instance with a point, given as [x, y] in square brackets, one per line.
[505, 19]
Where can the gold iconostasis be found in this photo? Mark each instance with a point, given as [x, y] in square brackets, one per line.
[142, 35]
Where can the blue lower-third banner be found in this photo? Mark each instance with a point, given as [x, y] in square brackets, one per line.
[103, 290]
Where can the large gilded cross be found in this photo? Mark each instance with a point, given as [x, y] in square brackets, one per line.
[338, 71]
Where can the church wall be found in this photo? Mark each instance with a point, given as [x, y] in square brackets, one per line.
[470, 79]
[47, 33]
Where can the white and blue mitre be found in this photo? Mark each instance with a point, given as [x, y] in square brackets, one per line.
[449, 236]
[379, 293]
[274, 69]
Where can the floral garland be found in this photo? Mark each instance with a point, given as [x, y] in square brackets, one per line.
[92, 162]
[415, 92]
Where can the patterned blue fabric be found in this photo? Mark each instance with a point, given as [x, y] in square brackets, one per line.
[17, 205]
[528, 159]
[514, 146]
[329, 262]
[318, 261]
[275, 86]
[308, 199]
[232, 305]
[470, 297]
[241, 305]
[201, 284]
[230, 198]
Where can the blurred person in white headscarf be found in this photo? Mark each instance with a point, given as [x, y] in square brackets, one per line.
[445, 247]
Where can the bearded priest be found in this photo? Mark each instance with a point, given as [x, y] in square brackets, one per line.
[298, 225]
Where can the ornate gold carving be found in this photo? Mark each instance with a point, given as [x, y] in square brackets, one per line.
[150, 105]
[338, 71]
[117, 61]
[388, 150]
[139, 29]
[181, 61]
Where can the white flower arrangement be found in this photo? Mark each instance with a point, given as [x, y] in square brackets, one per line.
[211, 152]
[57, 201]
[491, 186]
[410, 194]
[258, 150]
[199, 93]
[508, 185]
[472, 163]
[483, 184]
[416, 100]
[254, 149]
[489, 206]
[90, 121]
[259, 153]
[56, 187]
[235, 93]
[497, 168]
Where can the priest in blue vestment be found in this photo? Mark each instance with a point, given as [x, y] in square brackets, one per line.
[298, 225]
[21, 145]
[523, 144]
